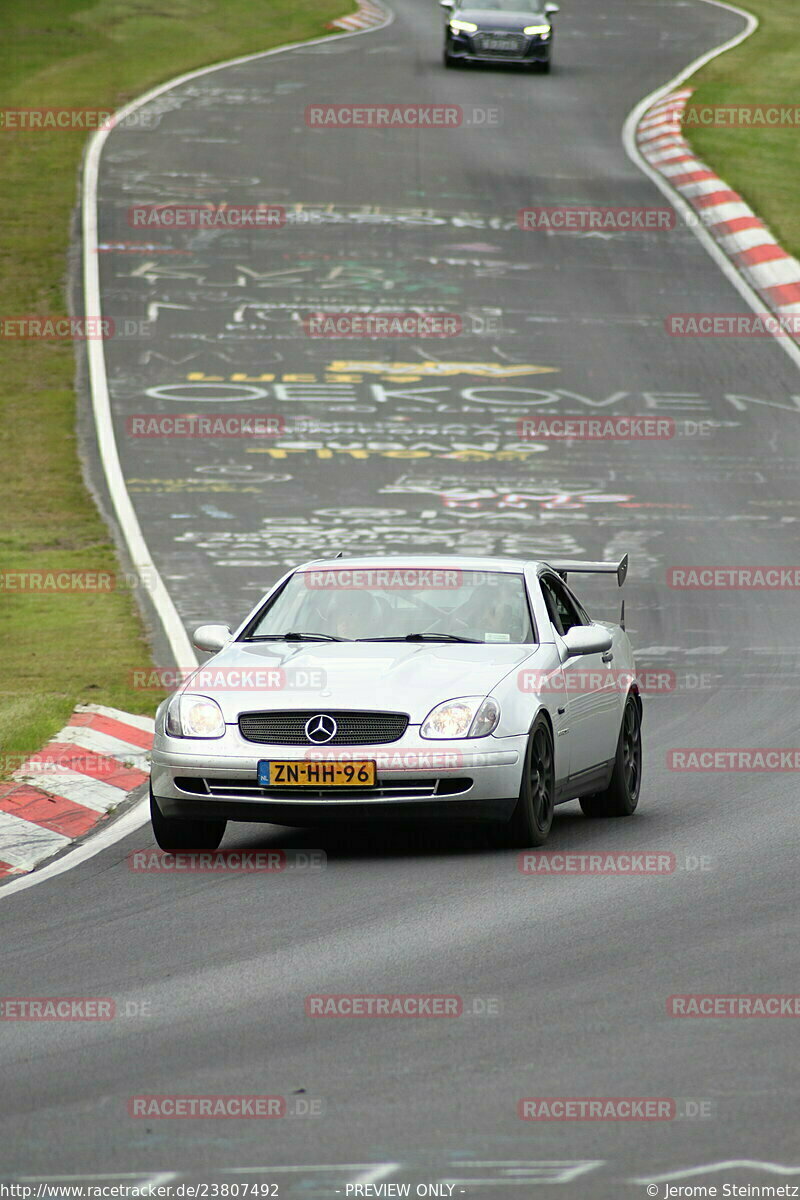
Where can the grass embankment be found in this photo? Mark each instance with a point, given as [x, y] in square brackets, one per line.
[763, 165]
[67, 649]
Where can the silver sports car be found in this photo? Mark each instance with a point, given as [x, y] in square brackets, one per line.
[406, 688]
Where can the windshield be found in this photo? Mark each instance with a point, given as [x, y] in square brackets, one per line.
[399, 603]
[507, 6]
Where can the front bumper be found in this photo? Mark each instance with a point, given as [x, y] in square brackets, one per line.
[463, 780]
[464, 48]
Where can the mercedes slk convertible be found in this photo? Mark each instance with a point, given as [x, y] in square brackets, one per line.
[463, 689]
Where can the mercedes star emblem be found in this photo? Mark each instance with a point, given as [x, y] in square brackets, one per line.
[321, 728]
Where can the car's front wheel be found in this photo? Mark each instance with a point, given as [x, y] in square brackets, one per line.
[175, 833]
[622, 794]
[531, 820]
[447, 58]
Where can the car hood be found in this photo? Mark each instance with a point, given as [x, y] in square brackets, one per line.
[488, 19]
[387, 676]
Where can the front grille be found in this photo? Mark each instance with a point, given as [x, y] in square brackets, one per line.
[231, 789]
[353, 728]
[486, 43]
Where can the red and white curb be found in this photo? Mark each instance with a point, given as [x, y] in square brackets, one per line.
[368, 16]
[71, 785]
[740, 234]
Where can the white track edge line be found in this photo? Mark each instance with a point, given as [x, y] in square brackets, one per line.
[686, 211]
[179, 642]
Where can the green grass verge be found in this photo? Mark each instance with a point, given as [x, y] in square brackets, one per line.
[68, 649]
[762, 165]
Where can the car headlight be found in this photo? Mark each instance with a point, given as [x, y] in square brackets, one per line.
[466, 717]
[194, 717]
[542, 30]
[463, 27]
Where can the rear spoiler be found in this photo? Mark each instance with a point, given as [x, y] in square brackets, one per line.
[564, 567]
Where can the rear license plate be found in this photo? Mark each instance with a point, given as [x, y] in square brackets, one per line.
[316, 774]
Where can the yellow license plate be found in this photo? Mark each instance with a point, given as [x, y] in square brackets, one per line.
[316, 774]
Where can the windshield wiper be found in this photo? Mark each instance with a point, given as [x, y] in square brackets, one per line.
[296, 637]
[422, 637]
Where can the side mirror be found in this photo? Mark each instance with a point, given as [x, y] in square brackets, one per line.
[549, 9]
[587, 639]
[447, 3]
[211, 637]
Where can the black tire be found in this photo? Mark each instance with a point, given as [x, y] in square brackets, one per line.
[173, 833]
[622, 794]
[448, 59]
[544, 67]
[533, 816]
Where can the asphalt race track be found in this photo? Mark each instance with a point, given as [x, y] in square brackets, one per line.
[399, 444]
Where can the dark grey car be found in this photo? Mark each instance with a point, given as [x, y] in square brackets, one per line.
[499, 31]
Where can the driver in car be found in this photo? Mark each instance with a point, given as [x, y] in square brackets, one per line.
[359, 615]
[489, 615]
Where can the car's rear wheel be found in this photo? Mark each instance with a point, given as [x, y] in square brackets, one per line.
[533, 816]
[175, 833]
[622, 794]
